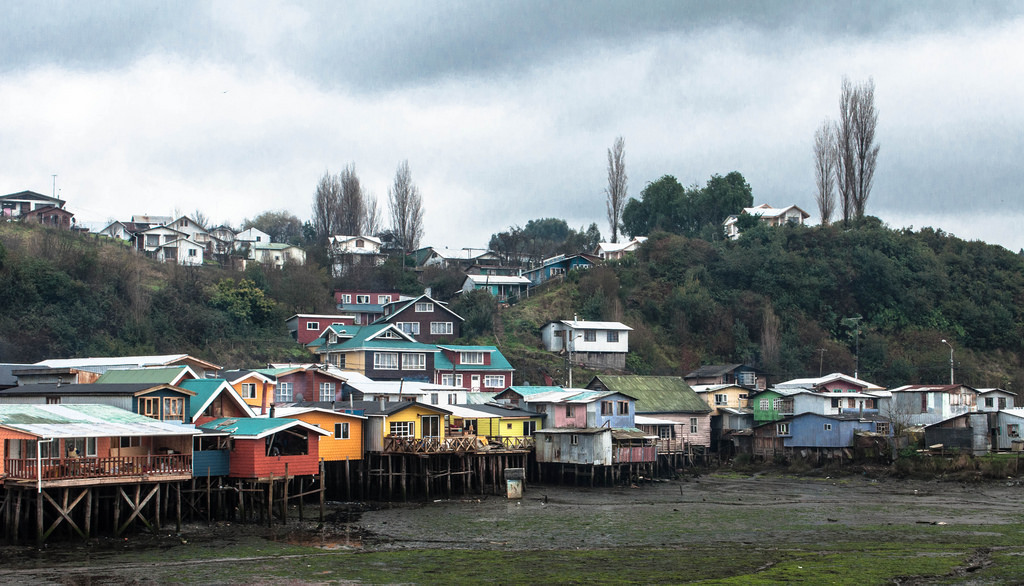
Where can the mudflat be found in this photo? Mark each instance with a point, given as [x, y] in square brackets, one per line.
[720, 527]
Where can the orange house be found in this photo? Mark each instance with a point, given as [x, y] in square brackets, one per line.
[255, 389]
[345, 441]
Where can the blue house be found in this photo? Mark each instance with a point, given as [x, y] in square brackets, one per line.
[815, 434]
[558, 266]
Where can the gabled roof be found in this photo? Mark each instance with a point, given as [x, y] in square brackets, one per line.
[701, 389]
[714, 370]
[170, 375]
[371, 337]
[930, 388]
[102, 364]
[610, 247]
[206, 390]
[328, 369]
[64, 421]
[33, 196]
[528, 390]
[655, 394]
[488, 410]
[579, 324]
[132, 389]
[828, 378]
[484, 280]
[995, 390]
[374, 408]
[397, 307]
[295, 411]
[258, 427]
[498, 360]
[234, 376]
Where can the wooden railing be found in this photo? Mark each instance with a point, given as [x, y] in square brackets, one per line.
[516, 443]
[69, 468]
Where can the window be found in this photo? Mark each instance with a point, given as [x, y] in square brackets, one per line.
[471, 357]
[346, 298]
[574, 439]
[1013, 430]
[851, 403]
[409, 327]
[404, 429]
[150, 407]
[765, 404]
[828, 427]
[191, 251]
[341, 431]
[990, 402]
[882, 427]
[326, 391]
[283, 393]
[782, 429]
[431, 425]
[606, 408]
[313, 325]
[128, 442]
[434, 399]
[613, 337]
[835, 403]
[448, 379]
[777, 404]
[494, 381]
[529, 427]
[721, 399]
[259, 239]
[424, 307]
[693, 425]
[623, 407]
[568, 410]
[174, 408]
[590, 336]
[382, 299]
[385, 360]
[441, 328]
[362, 299]
[80, 447]
[248, 390]
[414, 361]
[1002, 402]
[453, 398]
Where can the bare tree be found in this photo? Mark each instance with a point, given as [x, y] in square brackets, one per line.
[351, 211]
[406, 206]
[616, 190]
[825, 170]
[325, 205]
[865, 150]
[856, 151]
[201, 219]
[372, 219]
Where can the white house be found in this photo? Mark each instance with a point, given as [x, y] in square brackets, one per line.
[182, 251]
[504, 287]
[598, 344]
[277, 254]
[347, 252]
[192, 230]
[1011, 426]
[152, 239]
[927, 404]
[251, 236]
[617, 250]
[995, 399]
[768, 215]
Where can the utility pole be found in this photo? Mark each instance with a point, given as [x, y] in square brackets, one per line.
[950, 361]
[855, 321]
[54, 193]
[821, 360]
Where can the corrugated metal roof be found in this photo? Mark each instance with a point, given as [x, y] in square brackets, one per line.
[89, 389]
[498, 360]
[655, 394]
[257, 427]
[62, 421]
[166, 375]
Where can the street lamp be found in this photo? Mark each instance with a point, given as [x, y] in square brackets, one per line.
[950, 360]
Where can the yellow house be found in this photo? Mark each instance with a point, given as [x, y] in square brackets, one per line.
[717, 396]
[254, 388]
[495, 422]
[345, 441]
[406, 421]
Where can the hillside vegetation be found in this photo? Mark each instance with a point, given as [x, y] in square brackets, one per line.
[779, 298]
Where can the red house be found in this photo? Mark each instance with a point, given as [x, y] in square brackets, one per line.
[306, 327]
[263, 446]
[365, 305]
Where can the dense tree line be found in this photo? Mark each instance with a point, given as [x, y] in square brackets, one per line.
[665, 205]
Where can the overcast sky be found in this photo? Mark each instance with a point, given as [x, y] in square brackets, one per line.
[505, 110]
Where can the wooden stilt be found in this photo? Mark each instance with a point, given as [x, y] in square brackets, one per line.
[270, 501]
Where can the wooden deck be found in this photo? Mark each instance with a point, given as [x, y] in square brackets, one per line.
[92, 470]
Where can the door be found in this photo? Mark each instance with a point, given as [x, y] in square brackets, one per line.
[431, 426]
[529, 427]
[475, 385]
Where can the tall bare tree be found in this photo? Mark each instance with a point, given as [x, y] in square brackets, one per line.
[825, 170]
[372, 219]
[616, 190]
[865, 150]
[857, 153]
[325, 206]
[351, 211]
[406, 207]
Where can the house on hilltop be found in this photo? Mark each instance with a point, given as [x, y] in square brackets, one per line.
[791, 215]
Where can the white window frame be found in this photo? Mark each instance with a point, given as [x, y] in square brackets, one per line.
[382, 299]
[326, 390]
[424, 307]
[341, 430]
[414, 361]
[694, 425]
[766, 404]
[494, 381]
[471, 358]
[283, 393]
[721, 399]
[589, 335]
[362, 299]
[827, 427]
[402, 429]
[782, 429]
[346, 298]
[447, 379]
[409, 327]
[441, 328]
[385, 360]
[613, 337]
[251, 388]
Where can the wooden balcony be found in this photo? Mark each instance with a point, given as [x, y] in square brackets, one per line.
[516, 443]
[101, 470]
[429, 445]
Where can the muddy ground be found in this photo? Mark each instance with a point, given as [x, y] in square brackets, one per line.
[763, 513]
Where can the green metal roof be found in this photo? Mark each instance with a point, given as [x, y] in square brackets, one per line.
[256, 427]
[527, 391]
[204, 388]
[498, 360]
[142, 375]
[86, 420]
[654, 394]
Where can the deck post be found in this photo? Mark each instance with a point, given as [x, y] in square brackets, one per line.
[270, 501]
[284, 497]
[323, 488]
[88, 512]
[177, 509]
